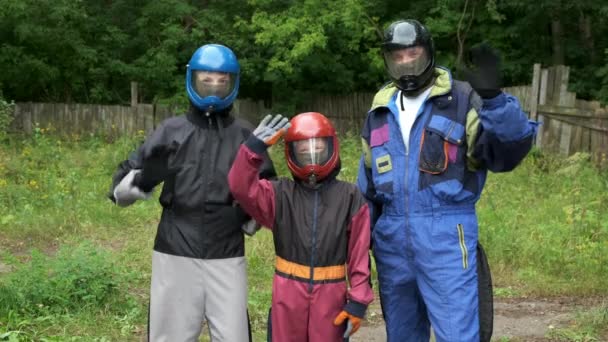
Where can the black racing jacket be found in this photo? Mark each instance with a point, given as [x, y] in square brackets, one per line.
[200, 218]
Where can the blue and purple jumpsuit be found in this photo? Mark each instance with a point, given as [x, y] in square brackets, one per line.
[424, 223]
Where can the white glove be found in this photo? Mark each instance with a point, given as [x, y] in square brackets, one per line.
[272, 128]
[251, 227]
[126, 193]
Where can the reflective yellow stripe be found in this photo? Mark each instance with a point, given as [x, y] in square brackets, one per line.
[301, 271]
[463, 247]
[472, 129]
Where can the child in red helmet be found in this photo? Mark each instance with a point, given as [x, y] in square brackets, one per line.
[320, 227]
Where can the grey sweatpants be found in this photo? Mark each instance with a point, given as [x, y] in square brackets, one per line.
[186, 291]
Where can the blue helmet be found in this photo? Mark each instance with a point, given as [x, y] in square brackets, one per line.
[212, 77]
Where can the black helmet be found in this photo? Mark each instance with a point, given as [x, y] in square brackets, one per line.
[409, 55]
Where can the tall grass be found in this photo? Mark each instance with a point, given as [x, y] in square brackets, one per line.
[544, 226]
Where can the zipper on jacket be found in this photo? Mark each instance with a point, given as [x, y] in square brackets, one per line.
[408, 238]
[463, 246]
[204, 174]
[406, 149]
[314, 240]
[209, 162]
[208, 115]
[419, 114]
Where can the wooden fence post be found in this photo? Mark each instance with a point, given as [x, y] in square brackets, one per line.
[564, 101]
[534, 91]
[542, 99]
[134, 95]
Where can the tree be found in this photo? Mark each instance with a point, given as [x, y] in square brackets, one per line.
[314, 46]
[90, 51]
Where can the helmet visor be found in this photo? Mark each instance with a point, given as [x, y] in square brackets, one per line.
[313, 151]
[409, 61]
[212, 83]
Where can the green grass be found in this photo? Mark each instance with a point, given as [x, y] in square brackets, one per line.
[544, 227]
[589, 326]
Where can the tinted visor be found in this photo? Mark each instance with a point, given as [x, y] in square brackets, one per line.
[313, 151]
[409, 61]
[212, 83]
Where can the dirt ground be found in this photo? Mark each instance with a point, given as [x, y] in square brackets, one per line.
[519, 319]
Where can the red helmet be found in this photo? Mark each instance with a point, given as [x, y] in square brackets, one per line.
[311, 147]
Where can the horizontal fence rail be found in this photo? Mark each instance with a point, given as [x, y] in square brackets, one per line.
[568, 124]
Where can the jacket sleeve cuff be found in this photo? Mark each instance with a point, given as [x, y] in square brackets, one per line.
[355, 308]
[111, 197]
[139, 184]
[256, 145]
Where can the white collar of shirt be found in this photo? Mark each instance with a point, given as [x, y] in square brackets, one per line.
[408, 112]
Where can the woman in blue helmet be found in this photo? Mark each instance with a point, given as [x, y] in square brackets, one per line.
[198, 264]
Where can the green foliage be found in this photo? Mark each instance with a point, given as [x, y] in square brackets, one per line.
[6, 116]
[316, 46]
[545, 224]
[89, 51]
[602, 73]
[260, 258]
[82, 280]
[46, 181]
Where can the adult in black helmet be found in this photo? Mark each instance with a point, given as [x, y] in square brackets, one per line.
[198, 264]
[428, 142]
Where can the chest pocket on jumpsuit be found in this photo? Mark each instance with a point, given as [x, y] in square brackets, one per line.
[442, 160]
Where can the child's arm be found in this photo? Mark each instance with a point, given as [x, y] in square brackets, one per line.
[360, 293]
[255, 195]
[357, 264]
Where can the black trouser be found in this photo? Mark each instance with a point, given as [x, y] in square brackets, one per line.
[486, 298]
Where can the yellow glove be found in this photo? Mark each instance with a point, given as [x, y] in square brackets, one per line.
[354, 323]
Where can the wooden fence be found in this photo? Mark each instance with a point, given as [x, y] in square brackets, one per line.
[346, 112]
[568, 125]
[70, 119]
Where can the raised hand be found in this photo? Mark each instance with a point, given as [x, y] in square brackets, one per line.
[272, 128]
[485, 74]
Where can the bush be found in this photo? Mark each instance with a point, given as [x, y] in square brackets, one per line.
[75, 279]
[6, 115]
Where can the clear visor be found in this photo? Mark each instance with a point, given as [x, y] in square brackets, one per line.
[212, 83]
[313, 151]
[410, 61]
